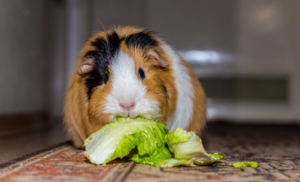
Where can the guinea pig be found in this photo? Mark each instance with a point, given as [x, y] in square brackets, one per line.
[130, 72]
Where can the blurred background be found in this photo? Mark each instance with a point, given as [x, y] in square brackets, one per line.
[246, 54]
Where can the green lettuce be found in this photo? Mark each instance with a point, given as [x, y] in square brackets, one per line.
[151, 142]
[187, 145]
[244, 164]
[217, 156]
[170, 162]
[118, 138]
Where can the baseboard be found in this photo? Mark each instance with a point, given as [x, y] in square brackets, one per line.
[18, 123]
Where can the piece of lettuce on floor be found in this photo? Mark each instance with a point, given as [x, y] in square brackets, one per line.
[152, 141]
[244, 164]
[118, 138]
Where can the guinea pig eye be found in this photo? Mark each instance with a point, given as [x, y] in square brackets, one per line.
[106, 77]
[142, 73]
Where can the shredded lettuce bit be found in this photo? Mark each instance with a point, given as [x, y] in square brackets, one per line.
[244, 164]
[217, 156]
[151, 142]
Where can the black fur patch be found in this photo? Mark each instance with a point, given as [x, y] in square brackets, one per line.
[104, 53]
[142, 40]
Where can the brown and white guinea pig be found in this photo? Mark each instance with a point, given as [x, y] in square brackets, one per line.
[131, 72]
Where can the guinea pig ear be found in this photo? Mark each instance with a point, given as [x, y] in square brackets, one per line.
[157, 57]
[86, 67]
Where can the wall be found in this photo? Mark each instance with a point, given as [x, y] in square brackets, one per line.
[268, 43]
[22, 56]
[203, 25]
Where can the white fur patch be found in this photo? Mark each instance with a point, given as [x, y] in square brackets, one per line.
[184, 106]
[127, 87]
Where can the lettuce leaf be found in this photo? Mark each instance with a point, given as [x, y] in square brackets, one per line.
[148, 149]
[171, 162]
[187, 145]
[118, 138]
[151, 142]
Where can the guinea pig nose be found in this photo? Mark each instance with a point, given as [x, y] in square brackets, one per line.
[127, 106]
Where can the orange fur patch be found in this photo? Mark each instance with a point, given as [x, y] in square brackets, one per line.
[198, 120]
[157, 77]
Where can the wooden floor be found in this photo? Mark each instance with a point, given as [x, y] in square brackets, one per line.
[17, 144]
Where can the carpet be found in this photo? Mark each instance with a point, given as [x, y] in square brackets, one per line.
[276, 149]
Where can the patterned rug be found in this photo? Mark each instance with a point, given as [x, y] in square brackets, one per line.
[276, 149]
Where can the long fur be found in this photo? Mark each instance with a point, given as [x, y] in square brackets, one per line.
[184, 104]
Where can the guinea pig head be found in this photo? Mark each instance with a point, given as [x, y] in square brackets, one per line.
[127, 73]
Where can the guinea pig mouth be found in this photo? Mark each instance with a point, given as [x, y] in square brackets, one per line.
[127, 114]
[130, 114]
